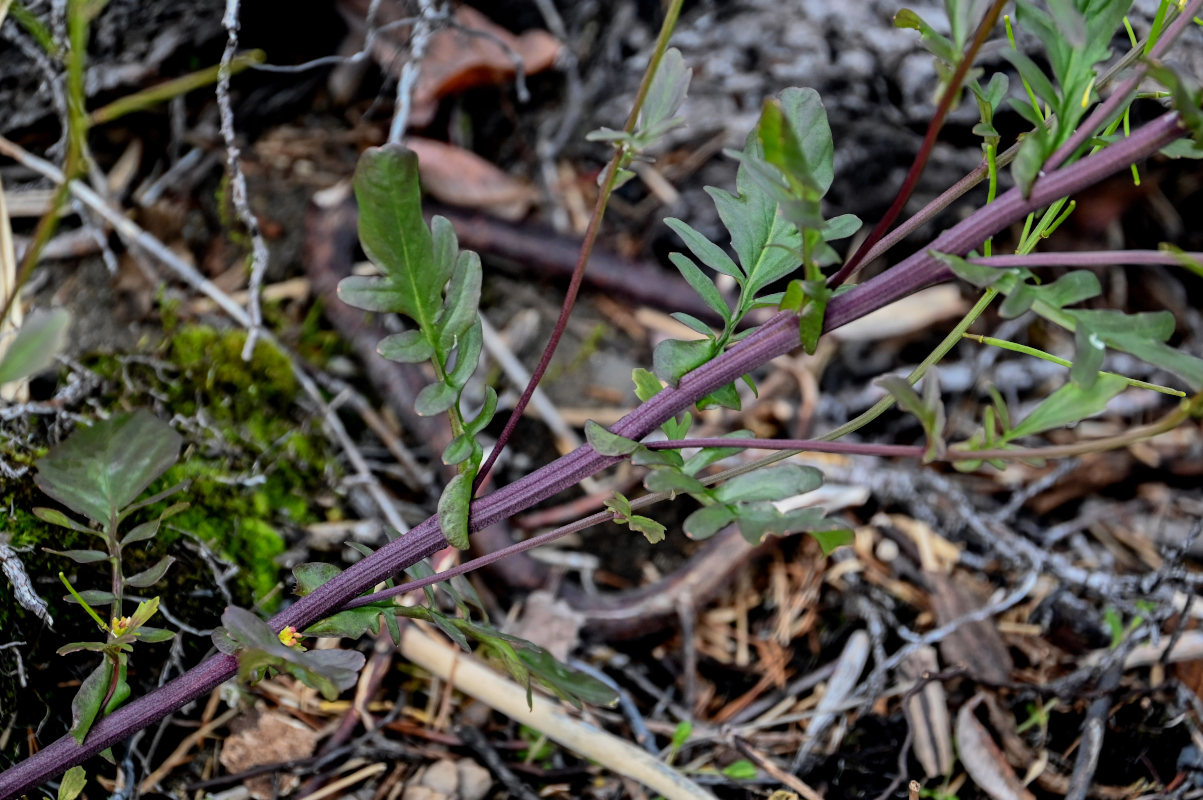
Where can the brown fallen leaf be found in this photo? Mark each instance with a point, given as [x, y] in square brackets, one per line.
[976, 645]
[266, 738]
[461, 178]
[927, 714]
[983, 759]
[472, 53]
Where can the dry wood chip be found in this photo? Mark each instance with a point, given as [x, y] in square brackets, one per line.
[927, 714]
[983, 759]
[975, 645]
[267, 738]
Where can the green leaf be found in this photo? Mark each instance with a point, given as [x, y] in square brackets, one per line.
[42, 337]
[351, 624]
[1071, 403]
[453, 509]
[435, 399]
[607, 443]
[803, 137]
[673, 358]
[574, 686]
[673, 481]
[93, 597]
[142, 532]
[467, 354]
[81, 556]
[724, 397]
[396, 239]
[647, 385]
[1069, 289]
[1033, 150]
[1088, 357]
[410, 347]
[75, 647]
[646, 457]
[760, 519]
[487, 410]
[741, 770]
[666, 93]
[693, 323]
[154, 635]
[652, 531]
[462, 306]
[313, 574]
[702, 285]
[704, 250]
[97, 471]
[829, 540]
[56, 517]
[773, 483]
[72, 784]
[85, 706]
[707, 521]
[458, 450]
[840, 227]
[152, 575]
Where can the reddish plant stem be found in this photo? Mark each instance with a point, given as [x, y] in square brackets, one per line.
[952, 91]
[776, 337]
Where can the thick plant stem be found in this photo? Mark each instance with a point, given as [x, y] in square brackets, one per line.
[776, 337]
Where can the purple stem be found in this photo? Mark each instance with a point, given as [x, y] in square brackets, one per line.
[1102, 258]
[776, 337]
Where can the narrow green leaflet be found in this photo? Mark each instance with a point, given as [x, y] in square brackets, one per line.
[1069, 404]
[85, 706]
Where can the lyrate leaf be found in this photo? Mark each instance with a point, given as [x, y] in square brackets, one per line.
[394, 236]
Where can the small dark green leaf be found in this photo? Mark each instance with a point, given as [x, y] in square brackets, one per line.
[488, 409]
[247, 630]
[666, 93]
[75, 647]
[150, 576]
[458, 450]
[93, 597]
[724, 397]
[56, 517]
[607, 443]
[154, 635]
[693, 323]
[454, 508]
[674, 482]
[87, 701]
[311, 575]
[142, 532]
[435, 399]
[673, 358]
[462, 306]
[741, 770]
[410, 347]
[645, 457]
[1033, 150]
[467, 354]
[707, 521]
[1070, 289]
[351, 624]
[97, 471]
[42, 337]
[1018, 300]
[81, 556]
[565, 681]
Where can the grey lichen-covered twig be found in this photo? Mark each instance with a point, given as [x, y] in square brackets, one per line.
[23, 590]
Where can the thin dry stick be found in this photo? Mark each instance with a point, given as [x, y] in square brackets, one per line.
[238, 194]
[428, 12]
[137, 237]
[496, 691]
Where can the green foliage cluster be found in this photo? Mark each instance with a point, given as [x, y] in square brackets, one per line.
[99, 473]
[426, 277]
